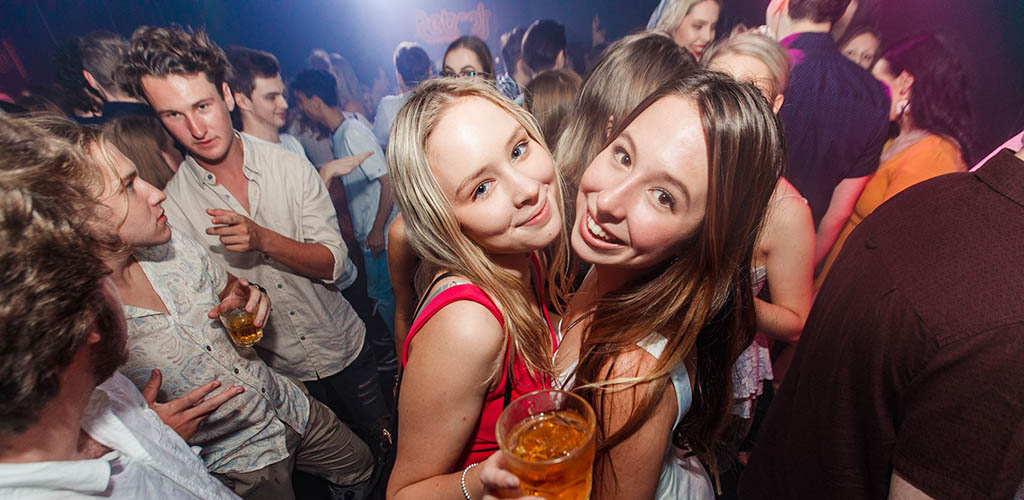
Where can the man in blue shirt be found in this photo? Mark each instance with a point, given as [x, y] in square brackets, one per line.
[836, 115]
[367, 188]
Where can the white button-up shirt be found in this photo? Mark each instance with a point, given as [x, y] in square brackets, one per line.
[247, 432]
[313, 332]
[148, 460]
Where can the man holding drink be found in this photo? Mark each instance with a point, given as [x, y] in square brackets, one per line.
[257, 425]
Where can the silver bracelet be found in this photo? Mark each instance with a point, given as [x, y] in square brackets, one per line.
[465, 492]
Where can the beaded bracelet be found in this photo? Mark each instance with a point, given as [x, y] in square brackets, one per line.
[465, 492]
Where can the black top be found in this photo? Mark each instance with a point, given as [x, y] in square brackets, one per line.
[912, 358]
[113, 110]
[836, 117]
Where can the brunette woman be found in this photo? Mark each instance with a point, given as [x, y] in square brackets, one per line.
[928, 86]
[785, 250]
[468, 56]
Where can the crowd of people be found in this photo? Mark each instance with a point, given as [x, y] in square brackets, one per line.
[759, 256]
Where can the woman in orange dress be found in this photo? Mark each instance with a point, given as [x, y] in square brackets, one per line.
[928, 87]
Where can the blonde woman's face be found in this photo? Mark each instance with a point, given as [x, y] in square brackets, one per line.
[141, 221]
[745, 69]
[697, 28]
[646, 192]
[500, 182]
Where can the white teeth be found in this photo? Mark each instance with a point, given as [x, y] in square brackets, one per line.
[597, 231]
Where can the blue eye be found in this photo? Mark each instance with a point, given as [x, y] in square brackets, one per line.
[519, 151]
[482, 189]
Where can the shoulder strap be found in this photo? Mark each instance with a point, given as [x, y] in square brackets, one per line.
[426, 293]
[433, 304]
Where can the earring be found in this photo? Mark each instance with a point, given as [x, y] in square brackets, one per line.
[902, 105]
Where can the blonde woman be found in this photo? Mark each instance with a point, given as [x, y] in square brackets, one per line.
[691, 23]
[785, 249]
[480, 195]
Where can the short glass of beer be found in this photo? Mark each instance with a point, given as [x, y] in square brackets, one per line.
[238, 323]
[547, 438]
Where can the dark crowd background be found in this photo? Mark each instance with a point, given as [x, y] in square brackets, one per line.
[990, 32]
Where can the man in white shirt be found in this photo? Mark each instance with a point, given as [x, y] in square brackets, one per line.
[367, 188]
[412, 66]
[263, 213]
[260, 104]
[260, 109]
[70, 426]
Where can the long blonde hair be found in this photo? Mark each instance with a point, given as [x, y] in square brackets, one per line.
[434, 232]
[674, 14]
[751, 44]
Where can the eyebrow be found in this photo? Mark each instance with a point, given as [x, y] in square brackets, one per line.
[483, 168]
[194, 104]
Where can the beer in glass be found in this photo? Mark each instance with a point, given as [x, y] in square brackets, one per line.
[547, 438]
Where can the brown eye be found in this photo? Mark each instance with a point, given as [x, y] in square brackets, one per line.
[664, 199]
[622, 157]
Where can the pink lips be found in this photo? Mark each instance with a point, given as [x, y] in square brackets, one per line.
[540, 217]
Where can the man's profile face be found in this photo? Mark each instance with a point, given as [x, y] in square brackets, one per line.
[194, 112]
[308, 106]
[268, 102]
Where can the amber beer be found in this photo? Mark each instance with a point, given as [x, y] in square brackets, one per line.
[548, 441]
[238, 322]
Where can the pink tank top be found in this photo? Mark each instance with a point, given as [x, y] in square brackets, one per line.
[484, 441]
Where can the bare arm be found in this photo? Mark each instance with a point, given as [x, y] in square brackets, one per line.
[788, 244]
[401, 266]
[441, 401]
[844, 197]
[639, 457]
[900, 489]
[375, 240]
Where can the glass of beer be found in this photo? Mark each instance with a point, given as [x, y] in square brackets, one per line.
[238, 323]
[547, 438]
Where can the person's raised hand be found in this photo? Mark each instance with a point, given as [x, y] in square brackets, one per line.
[237, 232]
[342, 166]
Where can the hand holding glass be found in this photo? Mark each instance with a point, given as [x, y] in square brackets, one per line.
[239, 323]
[547, 438]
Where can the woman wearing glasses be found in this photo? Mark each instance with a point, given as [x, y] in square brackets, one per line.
[468, 57]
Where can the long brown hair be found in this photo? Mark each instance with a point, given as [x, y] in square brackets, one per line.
[435, 233]
[142, 139]
[550, 97]
[701, 298]
[629, 70]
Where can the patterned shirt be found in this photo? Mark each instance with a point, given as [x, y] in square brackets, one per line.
[508, 86]
[314, 332]
[148, 459]
[246, 433]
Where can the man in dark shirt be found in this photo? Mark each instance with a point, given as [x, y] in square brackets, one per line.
[836, 115]
[102, 53]
[908, 381]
